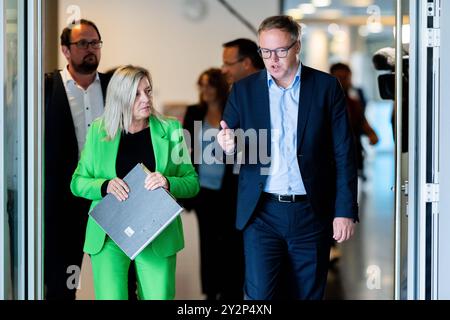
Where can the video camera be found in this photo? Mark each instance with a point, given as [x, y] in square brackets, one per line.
[384, 59]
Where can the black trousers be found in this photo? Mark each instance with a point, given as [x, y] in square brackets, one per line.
[64, 233]
[221, 246]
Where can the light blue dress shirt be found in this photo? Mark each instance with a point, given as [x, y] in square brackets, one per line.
[284, 173]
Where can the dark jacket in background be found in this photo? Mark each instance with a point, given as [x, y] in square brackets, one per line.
[65, 215]
[221, 247]
[230, 180]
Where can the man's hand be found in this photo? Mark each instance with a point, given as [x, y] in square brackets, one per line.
[343, 229]
[225, 137]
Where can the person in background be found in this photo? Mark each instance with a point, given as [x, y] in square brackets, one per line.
[240, 59]
[292, 206]
[74, 97]
[130, 132]
[356, 105]
[221, 248]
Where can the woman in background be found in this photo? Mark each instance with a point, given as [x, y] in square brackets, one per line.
[221, 248]
[131, 132]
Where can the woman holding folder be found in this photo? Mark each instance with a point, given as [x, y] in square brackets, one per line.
[130, 132]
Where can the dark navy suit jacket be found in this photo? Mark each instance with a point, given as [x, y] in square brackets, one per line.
[325, 146]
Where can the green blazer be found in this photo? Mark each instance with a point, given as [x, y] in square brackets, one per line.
[98, 163]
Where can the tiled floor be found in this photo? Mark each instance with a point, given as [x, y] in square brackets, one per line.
[188, 267]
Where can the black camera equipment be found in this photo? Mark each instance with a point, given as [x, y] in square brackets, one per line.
[384, 59]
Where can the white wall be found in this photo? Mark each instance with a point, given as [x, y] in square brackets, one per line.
[157, 35]
[316, 48]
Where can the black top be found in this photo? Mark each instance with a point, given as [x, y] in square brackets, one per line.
[134, 148]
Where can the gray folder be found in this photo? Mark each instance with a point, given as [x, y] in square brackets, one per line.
[132, 224]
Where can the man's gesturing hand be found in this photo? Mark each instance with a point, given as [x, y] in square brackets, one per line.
[225, 137]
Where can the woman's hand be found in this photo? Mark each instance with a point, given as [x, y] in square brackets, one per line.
[118, 188]
[155, 180]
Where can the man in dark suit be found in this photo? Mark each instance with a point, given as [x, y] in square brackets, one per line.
[291, 206]
[240, 59]
[74, 98]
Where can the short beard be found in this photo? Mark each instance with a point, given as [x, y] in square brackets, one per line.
[86, 67]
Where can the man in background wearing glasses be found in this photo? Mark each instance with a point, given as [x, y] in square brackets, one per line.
[291, 207]
[240, 59]
[74, 97]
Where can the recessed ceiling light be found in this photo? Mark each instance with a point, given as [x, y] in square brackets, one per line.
[330, 13]
[358, 3]
[321, 3]
[297, 14]
[307, 8]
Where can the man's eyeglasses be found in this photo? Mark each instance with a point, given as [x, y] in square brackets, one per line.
[84, 44]
[280, 52]
[229, 64]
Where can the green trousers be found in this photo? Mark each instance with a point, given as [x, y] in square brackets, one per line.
[155, 275]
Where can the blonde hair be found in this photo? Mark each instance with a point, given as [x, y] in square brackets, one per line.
[120, 97]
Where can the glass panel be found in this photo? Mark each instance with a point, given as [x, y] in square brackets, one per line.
[11, 152]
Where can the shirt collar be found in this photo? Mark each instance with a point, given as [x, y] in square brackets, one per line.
[67, 77]
[271, 81]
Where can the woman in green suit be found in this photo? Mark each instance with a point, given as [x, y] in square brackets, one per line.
[130, 132]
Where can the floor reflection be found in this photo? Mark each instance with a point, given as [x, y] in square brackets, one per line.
[365, 269]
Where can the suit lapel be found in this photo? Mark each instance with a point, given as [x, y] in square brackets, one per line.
[160, 141]
[306, 93]
[62, 111]
[262, 113]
